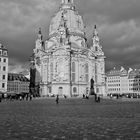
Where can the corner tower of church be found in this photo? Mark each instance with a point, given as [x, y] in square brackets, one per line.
[65, 63]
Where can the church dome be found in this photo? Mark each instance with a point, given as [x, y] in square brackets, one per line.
[73, 20]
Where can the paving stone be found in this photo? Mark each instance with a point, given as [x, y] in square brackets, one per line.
[73, 119]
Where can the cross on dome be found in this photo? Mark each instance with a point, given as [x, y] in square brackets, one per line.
[67, 1]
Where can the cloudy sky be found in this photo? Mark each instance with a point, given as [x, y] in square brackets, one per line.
[118, 22]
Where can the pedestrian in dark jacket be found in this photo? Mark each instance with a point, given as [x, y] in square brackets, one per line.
[57, 99]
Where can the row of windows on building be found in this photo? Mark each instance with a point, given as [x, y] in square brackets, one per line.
[114, 85]
[11, 85]
[136, 89]
[114, 77]
[134, 84]
[73, 72]
[136, 80]
[118, 89]
[4, 60]
[74, 89]
[113, 81]
[16, 88]
[114, 89]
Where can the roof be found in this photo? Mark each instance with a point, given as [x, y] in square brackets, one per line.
[19, 77]
[117, 72]
[134, 74]
[2, 47]
[114, 73]
[123, 72]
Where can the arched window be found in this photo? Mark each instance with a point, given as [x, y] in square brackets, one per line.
[86, 72]
[86, 68]
[74, 90]
[60, 91]
[73, 72]
[51, 72]
[73, 66]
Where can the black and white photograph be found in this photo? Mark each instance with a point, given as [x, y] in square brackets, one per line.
[69, 69]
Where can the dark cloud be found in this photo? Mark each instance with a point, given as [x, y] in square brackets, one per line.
[118, 24]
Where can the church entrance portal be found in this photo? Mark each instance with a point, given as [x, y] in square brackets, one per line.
[60, 91]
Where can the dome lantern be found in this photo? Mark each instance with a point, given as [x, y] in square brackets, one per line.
[67, 1]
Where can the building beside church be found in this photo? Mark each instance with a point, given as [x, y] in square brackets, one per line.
[3, 68]
[65, 64]
[17, 83]
[123, 82]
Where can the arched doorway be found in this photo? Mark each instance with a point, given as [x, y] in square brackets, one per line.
[60, 91]
[75, 91]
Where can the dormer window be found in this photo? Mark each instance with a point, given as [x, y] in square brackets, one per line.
[5, 53]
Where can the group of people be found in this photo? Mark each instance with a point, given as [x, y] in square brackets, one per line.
[85, 96]
[20, 97]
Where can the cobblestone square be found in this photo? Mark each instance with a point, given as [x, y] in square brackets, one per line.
[71, 119]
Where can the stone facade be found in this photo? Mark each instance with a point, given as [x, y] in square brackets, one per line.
[64, 63]
[17, 83]
[3, 68]
[122, 81]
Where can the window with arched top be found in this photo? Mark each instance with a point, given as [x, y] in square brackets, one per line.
[74, 90]
[51, 71]
[86, 72]
[73, 66]
[73, 71]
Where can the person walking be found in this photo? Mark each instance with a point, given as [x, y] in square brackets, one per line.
[57, 99]
[30, 97]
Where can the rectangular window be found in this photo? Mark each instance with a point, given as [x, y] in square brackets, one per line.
[3, 77]
[50, 89]
[4, 60]
[3, 85]
[5, 53]
[4, 68]
[0, 59]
